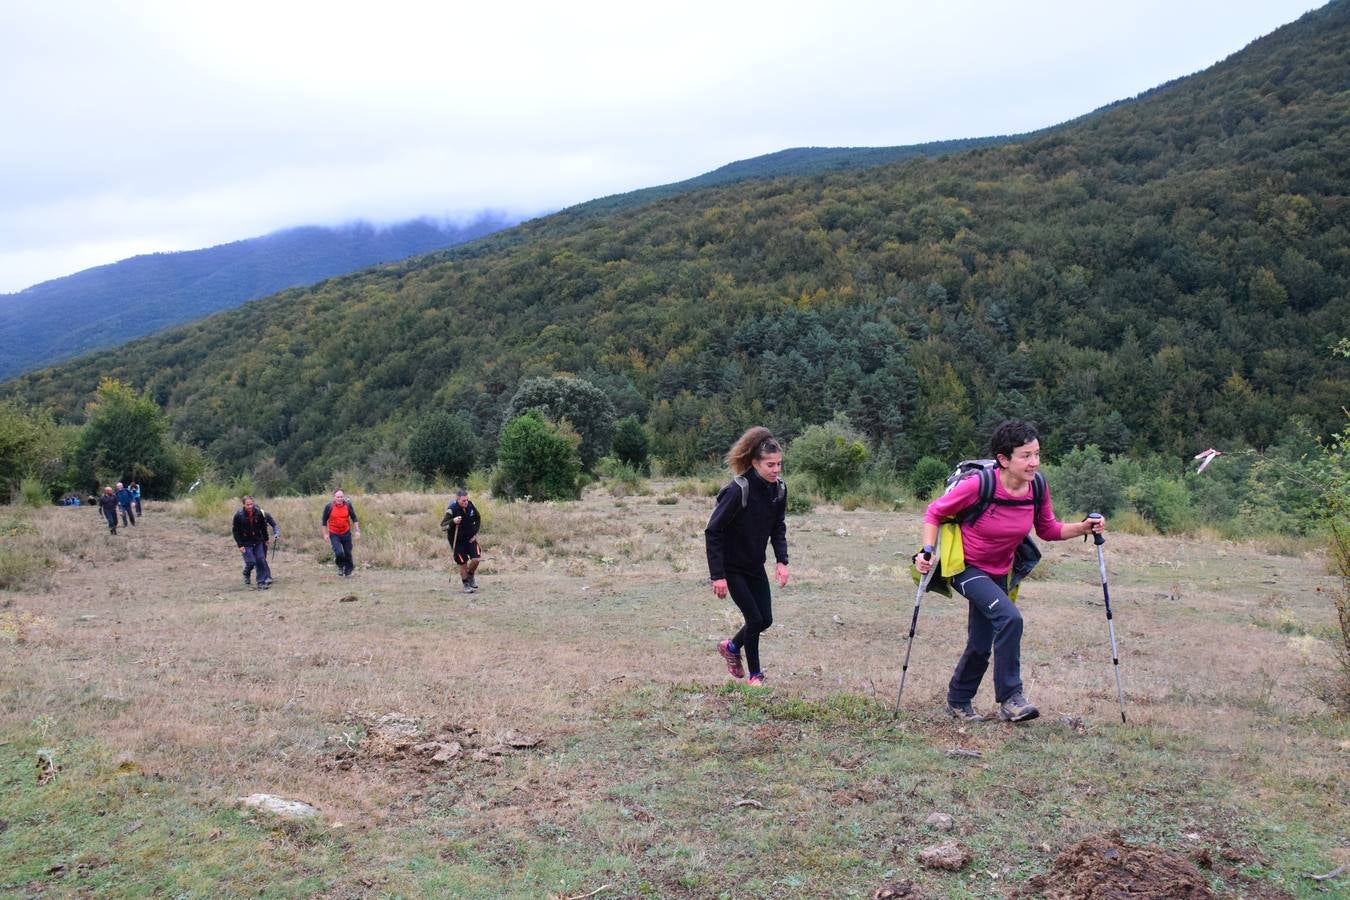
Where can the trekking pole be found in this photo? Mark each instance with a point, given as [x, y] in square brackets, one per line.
[1098, 539]
[454, 548]
[913, 626]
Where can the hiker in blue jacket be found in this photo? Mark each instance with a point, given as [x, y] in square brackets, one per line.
[125, 502]
[751, 513]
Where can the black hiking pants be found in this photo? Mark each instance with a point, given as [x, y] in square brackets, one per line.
[993, 624]
[751, 595]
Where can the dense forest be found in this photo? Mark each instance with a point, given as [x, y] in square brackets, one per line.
[109, 305]
[1166, 274]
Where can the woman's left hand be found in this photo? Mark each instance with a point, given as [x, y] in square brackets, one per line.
[782, 575]
[1094, 525]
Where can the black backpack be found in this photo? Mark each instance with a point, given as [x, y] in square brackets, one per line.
[744, 484]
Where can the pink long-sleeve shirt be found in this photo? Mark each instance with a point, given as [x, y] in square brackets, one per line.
[990, 541]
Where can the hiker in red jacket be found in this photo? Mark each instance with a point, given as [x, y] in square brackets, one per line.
[339, 526]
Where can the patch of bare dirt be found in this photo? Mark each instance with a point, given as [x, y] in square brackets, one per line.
[1105, 867]
[396, 743]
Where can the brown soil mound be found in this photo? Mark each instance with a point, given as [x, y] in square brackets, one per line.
[1105, 868]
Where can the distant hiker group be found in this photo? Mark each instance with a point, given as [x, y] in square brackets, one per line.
[123, 501]
[254, 529]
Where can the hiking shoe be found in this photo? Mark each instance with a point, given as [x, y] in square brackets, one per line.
[473, 582]
[1017, 709]
[757, 680]
[963, 712]
[247, 580]
[468, 588]
[733, 659]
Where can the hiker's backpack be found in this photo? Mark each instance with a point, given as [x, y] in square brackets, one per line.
[987, 470]
[1027, 554]
[744, 484]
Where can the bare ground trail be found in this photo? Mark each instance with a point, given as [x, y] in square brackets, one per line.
[592, 718]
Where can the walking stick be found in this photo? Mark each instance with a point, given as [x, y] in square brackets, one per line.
[1098, 539]
[913, 625]
[454, 547]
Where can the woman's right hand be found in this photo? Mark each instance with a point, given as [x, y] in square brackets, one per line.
[719, 587]
[923, 563]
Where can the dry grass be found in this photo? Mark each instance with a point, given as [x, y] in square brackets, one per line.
[148, 642]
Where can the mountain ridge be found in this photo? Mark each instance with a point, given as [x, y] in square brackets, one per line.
[1157, 276]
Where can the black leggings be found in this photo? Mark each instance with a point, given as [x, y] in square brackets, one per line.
[750, 593]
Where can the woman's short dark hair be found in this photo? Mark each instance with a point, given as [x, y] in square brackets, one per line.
[1010, 435]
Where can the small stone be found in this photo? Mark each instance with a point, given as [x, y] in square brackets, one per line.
[280, 806]
[952, 856]
[841, 532]
[448, 752]
[940, 821]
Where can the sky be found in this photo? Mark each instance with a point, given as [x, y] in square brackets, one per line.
[138, 126]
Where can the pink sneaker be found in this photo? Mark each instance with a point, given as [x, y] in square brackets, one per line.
[757, 680]
[733, 659]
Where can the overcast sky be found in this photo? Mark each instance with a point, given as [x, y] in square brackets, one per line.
[148, 125]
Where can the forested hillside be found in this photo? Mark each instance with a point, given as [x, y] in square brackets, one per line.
[1162, 276]
[109, 305]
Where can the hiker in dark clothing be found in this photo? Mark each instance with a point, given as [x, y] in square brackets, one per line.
[124, 504]
[250, 535]
[339, 526]
[107, 504]
[994, 624]
[751, 512]
[460, 524]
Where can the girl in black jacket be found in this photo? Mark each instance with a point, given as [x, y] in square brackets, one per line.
[751, 512]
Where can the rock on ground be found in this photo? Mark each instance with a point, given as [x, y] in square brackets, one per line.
[280, 806]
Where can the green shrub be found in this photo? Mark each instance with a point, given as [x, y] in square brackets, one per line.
[833, 453]
[537, 459]
[442, 445]
[588, 410]
[799, 503]
[624, 479]
[1084, 482]
[211, 498]
[927, 477]
[631, 443]
[1163, 501]
[32, 492]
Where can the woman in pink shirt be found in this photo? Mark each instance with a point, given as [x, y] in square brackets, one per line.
[994, 624]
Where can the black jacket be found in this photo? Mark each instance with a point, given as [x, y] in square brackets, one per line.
[249, 530]
[469, 522]
[736, 537]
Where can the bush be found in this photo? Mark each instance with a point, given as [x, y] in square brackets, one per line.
[582, 404]
[33, 492]
[270, 477]
[833, 453]
[624, 479]
[631, 444]
[443, 445]
[928, 477]
[537, 459]
[1163, 501]
[1085, 482]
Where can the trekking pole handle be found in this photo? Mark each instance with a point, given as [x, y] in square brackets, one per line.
[1097, 537]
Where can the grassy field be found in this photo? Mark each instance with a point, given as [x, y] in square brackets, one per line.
[569, 730]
